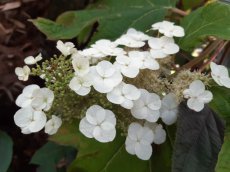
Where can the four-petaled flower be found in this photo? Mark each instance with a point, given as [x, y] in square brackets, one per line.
[139, 140]
[162, 47]
[128, 66]
[133, 39]
[169, 109]
[169, 29]
[99, 123]
[158, 131]
[144, 60]
[147, 106]
[124, 94]
[220, 75]
[197, 95]
[105, 76]
[81, 84]
[22, 73]
[53, 125]
[30, 120]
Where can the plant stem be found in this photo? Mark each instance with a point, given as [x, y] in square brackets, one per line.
[179, 11]
[213, 57]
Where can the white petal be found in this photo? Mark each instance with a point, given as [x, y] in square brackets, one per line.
[153, 116]
[30, 60]
[196, 87]
[86, 128]
[205, 97]
[169, 116]
[195, 105]
[159, 135]
[130, 72]
[95, 114]
[131, 92]
[127, 104]
[39, 121]
[171, 48]
[178, 31]
[143, 152]
[83, 91]
[133, 129]
[110, 117]
[22, 117]
[104, 135]
[105, 68]
[130, 146]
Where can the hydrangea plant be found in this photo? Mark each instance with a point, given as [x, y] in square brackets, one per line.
[129, 86]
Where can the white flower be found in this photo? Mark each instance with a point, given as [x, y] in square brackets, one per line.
[30, 60]
[129, 42]
[168, 111]
[162, 47]
[29, 120]
[38, 98]
[81, 84]
[92, 53]
[137, 35]
[25, 99]
[53, 125]
[66, 48]
[22, 73]
[99, 123]
[129, 67]
[80, 65]
[147, 106]
[158, 131]
[133, 39]
[197, 95]
[105, 76]
[107, 48]
[144, 60]
[42, 99]
[220, 75]
[169, 29]
[124, 94]
[139, 140]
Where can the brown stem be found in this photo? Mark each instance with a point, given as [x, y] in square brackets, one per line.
[213, 57]
[179, 11]
[202, 56]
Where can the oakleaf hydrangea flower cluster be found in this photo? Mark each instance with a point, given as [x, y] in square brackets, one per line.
[115, 70]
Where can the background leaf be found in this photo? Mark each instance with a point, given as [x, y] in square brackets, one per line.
[114, 18]
[198, 140]
[6, 151]
[210, 20]
[221, 105]
[94, 156]
[51, 156]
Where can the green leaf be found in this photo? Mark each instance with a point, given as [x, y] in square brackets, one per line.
[210, 20]
[114, 18]
[188, 4]
[51, 154]
[198, 140]
[94, 156]
[221, 104]
[6, 151]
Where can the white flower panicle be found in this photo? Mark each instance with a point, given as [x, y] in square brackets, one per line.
[99, 123]
[30, 60]
[22, 73]
[220, 75]
[105, 66]
[124, 94]
[147, 106]
[197, 95]
[169, 109]
[52, 125]
[169, 29]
